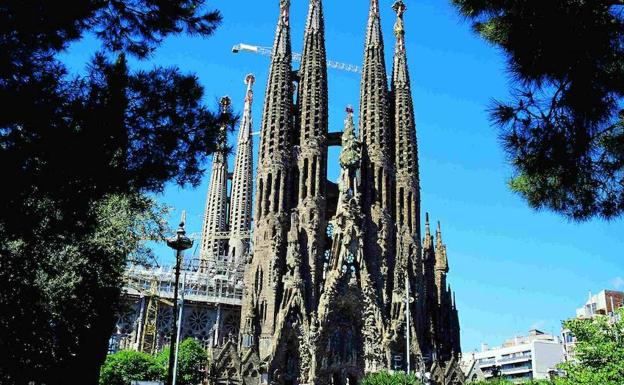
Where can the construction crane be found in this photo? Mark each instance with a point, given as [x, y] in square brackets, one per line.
[267, 51]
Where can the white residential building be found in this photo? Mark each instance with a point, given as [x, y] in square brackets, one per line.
[519, 359]
[605, 303]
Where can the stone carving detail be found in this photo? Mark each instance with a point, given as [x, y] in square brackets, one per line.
[337, 270]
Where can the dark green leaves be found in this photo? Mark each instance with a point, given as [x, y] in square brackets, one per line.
[78, 154]
[599, 351]
[562, 127]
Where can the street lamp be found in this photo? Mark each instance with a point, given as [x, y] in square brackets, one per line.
[178, 243]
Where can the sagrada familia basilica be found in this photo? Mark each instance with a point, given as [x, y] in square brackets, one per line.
[330, 281]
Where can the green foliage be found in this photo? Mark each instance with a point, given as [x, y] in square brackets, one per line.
[386, 378]
[564, 127]
[599, 352]
[125, 366]
[63, 287]
[193, 360]
[79, 154]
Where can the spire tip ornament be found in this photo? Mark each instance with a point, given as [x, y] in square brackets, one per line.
[399, 7]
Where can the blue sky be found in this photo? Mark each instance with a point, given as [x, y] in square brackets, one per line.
[512, 268]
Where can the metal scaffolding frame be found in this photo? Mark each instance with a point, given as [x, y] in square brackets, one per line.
[213, 281]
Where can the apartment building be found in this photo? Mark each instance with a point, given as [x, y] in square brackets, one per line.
[605, 303]
[521, 358]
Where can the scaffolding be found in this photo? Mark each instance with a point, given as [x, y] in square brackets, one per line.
[214, 281]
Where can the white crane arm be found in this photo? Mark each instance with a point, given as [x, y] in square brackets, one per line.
[267, 51]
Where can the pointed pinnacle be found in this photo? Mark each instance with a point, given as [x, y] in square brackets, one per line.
[374, 7]
[245, 128]
[225, 103]
[314, 16]
[285, 11]
[427, 227]
[373, 34]
[439, 234]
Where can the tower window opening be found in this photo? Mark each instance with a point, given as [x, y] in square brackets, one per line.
[276, 197]
[401, 205]
[314, 175]
[380, 185]
[296, 185]
[387, 190]
[267, 196]
[409, 210]
[260, 191]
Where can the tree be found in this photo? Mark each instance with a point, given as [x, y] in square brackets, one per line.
[192, 362]
[564, 129]
[599, 351]
[78, 156]
[125, 366]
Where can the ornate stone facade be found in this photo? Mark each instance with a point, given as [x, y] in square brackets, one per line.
[339, 271]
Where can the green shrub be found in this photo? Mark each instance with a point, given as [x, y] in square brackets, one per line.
[386, 378]
[125, 366]
[192, 361]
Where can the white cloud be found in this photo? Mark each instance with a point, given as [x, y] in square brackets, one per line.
[538, 324]
[617, 282]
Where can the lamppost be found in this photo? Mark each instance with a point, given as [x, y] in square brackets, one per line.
[408, 301]
[177, 348]
[178, 243]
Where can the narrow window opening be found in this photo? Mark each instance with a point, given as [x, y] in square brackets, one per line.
[314, 176]
[409, 211]
[276, 197]
[267, 196]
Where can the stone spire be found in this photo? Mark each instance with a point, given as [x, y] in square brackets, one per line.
[441, 266]
[242, 182]
[273, 195]
[277, 118]
[312, 122]
[407, 197]
[377, 168]
[427, 241]
[215, 216]
[406, 156]
[441, 258]
[430, 288]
